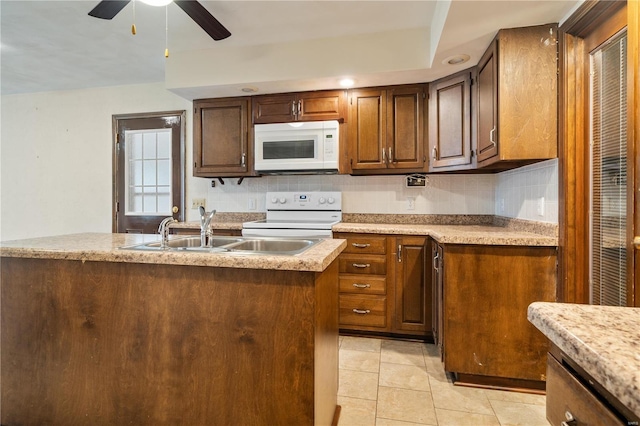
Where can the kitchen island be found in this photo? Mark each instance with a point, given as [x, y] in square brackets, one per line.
[96, 335]
[594, 362]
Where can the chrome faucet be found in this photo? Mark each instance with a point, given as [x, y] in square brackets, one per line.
[163, 230]
[205, 226]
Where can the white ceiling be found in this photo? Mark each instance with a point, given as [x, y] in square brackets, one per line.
[54, 45]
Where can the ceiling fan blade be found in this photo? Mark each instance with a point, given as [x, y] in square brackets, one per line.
[107, 9]
[202, 17]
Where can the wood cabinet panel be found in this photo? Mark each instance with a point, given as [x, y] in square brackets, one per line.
[363, 311]
[363, 284]
[364, 244]
[518, 97]
[387, 129]
[487, 290]
[367, 128]
[104, 343]
[221, 142]
[363, 264]
[302, 106]
[325, 105]
[405, 127]
[565, 394]
[437, 281]
[413, 285]
[450, 130]
[399, 278]
[273, 108]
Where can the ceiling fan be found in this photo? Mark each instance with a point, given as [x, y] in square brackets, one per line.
[107, 9]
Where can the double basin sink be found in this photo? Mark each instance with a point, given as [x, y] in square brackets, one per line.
[238, 245]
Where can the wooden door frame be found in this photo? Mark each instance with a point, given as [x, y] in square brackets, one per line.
[114, 156]
[573, 145]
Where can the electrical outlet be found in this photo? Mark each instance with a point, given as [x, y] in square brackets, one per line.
[501, 205]
[252, 203]
[540, 206]
[197, 202]
[411, 203]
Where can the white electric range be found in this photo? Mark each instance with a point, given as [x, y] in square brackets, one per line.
[300, 214]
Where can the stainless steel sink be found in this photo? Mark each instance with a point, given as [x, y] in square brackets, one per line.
[231, 245]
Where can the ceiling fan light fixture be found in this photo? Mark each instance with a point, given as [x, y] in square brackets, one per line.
[156, 2]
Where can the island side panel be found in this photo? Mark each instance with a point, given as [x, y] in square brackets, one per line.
[116, 343]
[326, 348]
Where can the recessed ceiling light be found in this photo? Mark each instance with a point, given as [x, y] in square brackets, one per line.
[249, 89]
[456, 59]
[347, 82]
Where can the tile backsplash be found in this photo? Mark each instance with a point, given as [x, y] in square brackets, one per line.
[511, 194]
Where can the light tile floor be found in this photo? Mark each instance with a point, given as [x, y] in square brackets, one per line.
[398, 383]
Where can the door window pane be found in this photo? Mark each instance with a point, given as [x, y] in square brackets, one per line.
[148, 172]
[608, 159]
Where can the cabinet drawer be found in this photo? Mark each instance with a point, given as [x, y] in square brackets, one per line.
[368, 311]
[370, 265]
[363, 284]
[365, 244]
[565, 394]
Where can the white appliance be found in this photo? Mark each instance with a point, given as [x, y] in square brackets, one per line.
[303, 147]
[298, 214]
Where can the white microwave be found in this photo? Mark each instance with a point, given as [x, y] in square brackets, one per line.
[302, 147]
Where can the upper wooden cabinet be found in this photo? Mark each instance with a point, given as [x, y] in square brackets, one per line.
[221, 142]
[386, 131]
[450, 123]
[304, 106]
[518, 97]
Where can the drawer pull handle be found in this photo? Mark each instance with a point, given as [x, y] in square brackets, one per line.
[361, 312]
[361, 265]
[358, 245]
[571, 421]
[358, 285]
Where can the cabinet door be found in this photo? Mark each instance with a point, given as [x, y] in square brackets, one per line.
[220, 137]
[487, 290]
[274, 108]
[405, 127]
[488, 104]
[323, 105]
[367, 112]
[450, 121]
[413, 285]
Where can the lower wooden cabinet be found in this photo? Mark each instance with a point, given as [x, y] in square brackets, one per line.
[384, 285]
[486, 336]
[570, 401]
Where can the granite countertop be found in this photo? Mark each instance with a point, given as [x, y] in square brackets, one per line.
[603, 340]
[105, 248]
[455, 234]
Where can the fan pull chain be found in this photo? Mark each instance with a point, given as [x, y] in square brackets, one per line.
[133, 26]
[166, 32]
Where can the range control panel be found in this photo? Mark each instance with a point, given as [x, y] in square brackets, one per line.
[312, 200]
